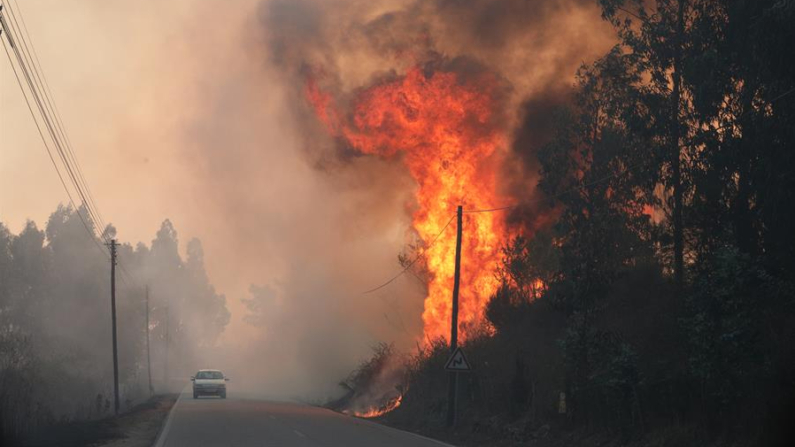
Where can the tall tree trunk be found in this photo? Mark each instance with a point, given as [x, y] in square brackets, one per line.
[676, 164]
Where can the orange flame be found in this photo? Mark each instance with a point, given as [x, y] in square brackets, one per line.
[375, 412]
[448, 131]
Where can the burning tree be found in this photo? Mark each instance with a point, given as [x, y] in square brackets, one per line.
[448, 130]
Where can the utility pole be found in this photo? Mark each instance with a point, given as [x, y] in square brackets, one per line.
[453, 383]
[166, 365]
[148, 357]
[113, 320]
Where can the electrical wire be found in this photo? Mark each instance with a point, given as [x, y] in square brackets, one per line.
[40, 92]
[49, 152]
[40, 88]
[489, 210]
[413, 261]
[58, 121]
[45, 107]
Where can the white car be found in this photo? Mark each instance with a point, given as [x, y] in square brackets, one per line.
[209, 382]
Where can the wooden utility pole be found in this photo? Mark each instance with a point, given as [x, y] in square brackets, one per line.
[453, 383]
[148, 357]
[166, 365]
[113, 320]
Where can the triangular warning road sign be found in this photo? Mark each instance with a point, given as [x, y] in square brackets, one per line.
[458, 362]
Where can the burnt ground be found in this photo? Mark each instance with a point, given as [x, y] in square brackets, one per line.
[136, 428]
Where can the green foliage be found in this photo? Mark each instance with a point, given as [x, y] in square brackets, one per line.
[603, 370]
[726, 311]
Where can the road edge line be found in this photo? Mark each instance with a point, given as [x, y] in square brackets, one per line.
[161, 436]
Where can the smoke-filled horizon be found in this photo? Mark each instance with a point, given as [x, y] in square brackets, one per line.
[197, 113]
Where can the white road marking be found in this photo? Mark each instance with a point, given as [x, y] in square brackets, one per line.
[299, 433]
[161, 437]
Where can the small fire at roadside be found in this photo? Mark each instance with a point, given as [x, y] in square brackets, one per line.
[377, 411]
[449, 132]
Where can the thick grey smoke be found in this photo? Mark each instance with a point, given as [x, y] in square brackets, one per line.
[340, 233]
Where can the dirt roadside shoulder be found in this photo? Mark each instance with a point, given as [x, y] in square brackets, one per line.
[136, 428]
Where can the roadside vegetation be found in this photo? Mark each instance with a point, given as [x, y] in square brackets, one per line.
[55, 344]
[137, 427]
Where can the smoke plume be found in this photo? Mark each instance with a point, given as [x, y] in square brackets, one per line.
[336, 50]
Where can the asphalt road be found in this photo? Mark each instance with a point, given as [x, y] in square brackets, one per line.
[242, 422]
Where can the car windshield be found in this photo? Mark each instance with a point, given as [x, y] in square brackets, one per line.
[209, 375]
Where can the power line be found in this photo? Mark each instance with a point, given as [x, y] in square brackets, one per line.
[22, 57]
[45, 108]
[782, 95]
[556, 196]
[126, 276]
[49, 152]
[30, 66]
[54, 107]
[58, 119]
[416, 258]
[40, 89]
[490, 210]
